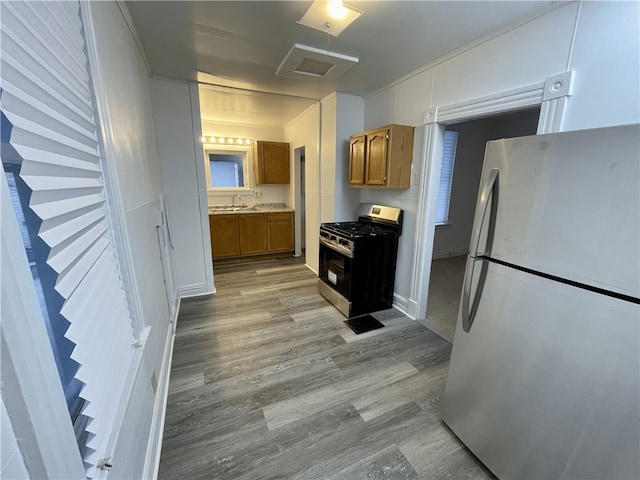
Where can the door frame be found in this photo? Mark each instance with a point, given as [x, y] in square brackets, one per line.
[551, 96]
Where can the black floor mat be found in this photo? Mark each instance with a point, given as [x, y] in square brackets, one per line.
[363, 323]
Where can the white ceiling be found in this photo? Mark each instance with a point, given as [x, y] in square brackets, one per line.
[237, 46]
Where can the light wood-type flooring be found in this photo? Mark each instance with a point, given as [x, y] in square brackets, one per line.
[445, 287]
[267, 382]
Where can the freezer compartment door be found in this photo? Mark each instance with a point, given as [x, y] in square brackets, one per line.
[568, 204]
[546, 382]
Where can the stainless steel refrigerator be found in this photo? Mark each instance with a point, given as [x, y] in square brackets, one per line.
[544, 375]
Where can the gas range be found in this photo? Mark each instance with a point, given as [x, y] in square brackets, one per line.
[358, 259]
[344, 236]
[374, 221]
[354, 230]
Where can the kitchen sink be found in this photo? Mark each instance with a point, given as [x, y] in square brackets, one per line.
[230, 208]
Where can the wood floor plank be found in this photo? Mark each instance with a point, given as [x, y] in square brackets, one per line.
[349, 385]
[267, 382]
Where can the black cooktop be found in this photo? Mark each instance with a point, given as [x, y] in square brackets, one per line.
[353, 230]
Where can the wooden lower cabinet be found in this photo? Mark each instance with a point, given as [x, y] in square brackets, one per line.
[252, 233]
[224, 236]
[280, 232]
[246, 234]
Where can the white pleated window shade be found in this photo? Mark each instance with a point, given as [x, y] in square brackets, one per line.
[47, 97]
[446, 177]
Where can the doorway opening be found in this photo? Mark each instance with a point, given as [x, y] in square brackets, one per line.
[300, 215]
[453, 228]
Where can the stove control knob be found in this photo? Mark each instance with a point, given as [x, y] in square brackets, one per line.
[343, 242]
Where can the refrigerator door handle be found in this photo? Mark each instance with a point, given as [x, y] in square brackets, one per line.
[466, 307]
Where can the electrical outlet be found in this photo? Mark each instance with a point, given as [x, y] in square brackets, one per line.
[416, 179]
[257, 193]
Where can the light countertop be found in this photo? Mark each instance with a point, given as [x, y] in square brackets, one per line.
[257, 208]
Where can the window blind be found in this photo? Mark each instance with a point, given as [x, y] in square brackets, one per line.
[446, 177]
[47, 96]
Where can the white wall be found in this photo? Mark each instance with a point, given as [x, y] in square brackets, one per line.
[606, 33]
[328, 174]
[304, 132]
[132, 154]
[182, 164]
[342, 115]
[605, 59]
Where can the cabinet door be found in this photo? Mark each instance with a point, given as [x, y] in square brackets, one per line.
[224, 235]
[273, 162]
[376, 165]
[280, 232]
[253, 235]
[357, 158]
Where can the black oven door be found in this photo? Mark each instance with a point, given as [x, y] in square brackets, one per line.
[335, 270]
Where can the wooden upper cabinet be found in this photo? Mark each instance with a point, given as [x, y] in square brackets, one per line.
[357, 157]
[385, 155]
[376, 166]
[271, 162]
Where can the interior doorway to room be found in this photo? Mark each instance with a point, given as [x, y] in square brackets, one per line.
[299, 155]
[460, 181]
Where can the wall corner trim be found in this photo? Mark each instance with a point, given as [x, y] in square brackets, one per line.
[557, 86]
[129, 22]
[557, 90]
[431, 115]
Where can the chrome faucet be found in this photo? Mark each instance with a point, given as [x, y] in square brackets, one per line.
[233, 200]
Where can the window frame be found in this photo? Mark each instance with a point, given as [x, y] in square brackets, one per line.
[65, 134]
[448, 161]
[247, 170]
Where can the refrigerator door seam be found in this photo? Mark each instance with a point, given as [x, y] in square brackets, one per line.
[566, 281]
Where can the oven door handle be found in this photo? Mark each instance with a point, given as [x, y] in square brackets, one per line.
[335, 248]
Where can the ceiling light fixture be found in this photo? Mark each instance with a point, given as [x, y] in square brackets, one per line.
[337, 10]
[227, 141]
[330, 16]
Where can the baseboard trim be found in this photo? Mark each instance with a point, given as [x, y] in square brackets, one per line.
[154, 447]
[193, 290]
[400, 303]
[412, 309]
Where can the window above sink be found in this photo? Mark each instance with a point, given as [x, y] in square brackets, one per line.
[228, 169]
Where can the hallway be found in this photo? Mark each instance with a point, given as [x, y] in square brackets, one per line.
[268, 382]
